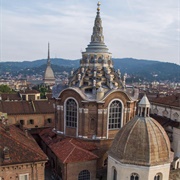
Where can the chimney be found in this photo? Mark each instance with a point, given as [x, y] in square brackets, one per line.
[26, 132]
[6, 154]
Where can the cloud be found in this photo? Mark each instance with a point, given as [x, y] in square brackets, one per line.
[132, 28]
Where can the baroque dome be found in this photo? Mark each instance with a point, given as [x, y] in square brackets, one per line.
[142, 141]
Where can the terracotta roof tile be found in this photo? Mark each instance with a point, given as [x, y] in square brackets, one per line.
[173, 100]
[11, 97]
[68, 149]
[22, 149]
[27, 107]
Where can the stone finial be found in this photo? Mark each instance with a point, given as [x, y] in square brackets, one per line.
[6, 154]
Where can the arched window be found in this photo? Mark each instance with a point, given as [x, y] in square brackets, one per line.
[71, 113]
[84, 175]
[158, 176]
[115, 112]
[114, 174]
[134, 176]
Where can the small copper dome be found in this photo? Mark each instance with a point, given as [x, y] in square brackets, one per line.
[142, 141]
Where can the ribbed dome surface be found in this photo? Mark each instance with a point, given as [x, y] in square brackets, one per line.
[49, 73]
[142, 141]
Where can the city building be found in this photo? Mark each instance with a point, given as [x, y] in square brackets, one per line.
[27, 109]
[141, 149]
[21, 157]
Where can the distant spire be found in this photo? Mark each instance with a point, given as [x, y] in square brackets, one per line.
[48, 60]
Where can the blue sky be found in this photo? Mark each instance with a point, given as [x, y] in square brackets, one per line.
[141, 29]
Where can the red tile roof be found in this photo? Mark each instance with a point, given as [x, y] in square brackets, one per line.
[27, 107]
[164, 121]
[68, 150]
[22, 149]
[29, 91]
[173, 100]
[10, 96]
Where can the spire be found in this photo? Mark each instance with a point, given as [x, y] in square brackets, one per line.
[48, 60]
[97, 38]
[97, 35]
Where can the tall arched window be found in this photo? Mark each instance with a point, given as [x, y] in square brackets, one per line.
[84, 175]
[71, 113]
[134, 176]
[114, 174]
[115, 112]
[158, 176]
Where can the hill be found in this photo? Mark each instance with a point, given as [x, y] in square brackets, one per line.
[137, 70]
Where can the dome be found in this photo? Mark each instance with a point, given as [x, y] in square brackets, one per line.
[49, 74]
[142, 141]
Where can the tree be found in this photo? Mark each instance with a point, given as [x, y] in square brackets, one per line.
[5, 89]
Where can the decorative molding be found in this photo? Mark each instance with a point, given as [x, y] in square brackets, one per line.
[105, 111]
[100, 111]
[80, 110]
[61, 108]
[58, 107]
[125, 110]
[85, 110]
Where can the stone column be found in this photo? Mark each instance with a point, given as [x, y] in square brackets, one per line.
[58, 118]
[80, 123]
[124, 117]
[85, 124]
[62, 120]
[104, 124]
[99, 124]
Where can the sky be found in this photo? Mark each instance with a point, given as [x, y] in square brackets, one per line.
[141, 29]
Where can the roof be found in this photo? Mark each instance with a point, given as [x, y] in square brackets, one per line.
[164, 121]
[68, 150]
[22, 149]
[49, 74]
[27, 107]
[29, 91]
[144, 102]
[10, 96]
[142, 141]
[173, 100]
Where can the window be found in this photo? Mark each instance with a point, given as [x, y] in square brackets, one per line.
[31, 121]
[71, 113]
[157, 176]
[21, 122]
[84, 175]
[115, 111]
[49, 120]
[114, 174]
[24, 177]
[134, 176]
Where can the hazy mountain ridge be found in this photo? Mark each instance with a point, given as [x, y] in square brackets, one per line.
[137, 69]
